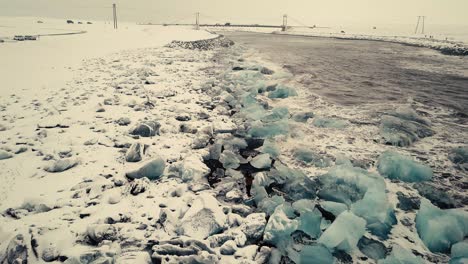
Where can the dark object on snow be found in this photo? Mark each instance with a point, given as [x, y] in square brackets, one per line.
[408, 203]
[146, 129]
[70, 22]
[16, 252]
[205, 44]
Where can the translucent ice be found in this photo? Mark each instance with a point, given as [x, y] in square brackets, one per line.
[302, 117]
[440, 229]
[317, 254]
[276, 114]
[267, 130]
[333, 207]
[377, 211]
[344, 233]
[309, 222]
[347, 184]
[401, 256]
[330, 123]
[295, 184]
[282, 92]
[269, 204]
[262, 161]
[459, 253]
[395, 166]
[310, 157]
[229, 160]
[270, 147]
[253, 112]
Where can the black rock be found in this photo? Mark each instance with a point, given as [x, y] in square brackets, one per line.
[408, 203]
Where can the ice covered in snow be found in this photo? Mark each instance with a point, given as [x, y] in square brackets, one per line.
[395, 166]
[204, 218]
[152, 170]
[440, 229]
[280, 226]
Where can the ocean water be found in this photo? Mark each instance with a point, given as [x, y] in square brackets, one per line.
[351, 72]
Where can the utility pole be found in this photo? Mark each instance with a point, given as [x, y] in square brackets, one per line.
[417, 25]
[424, 17]
[197, 20]
[285, 22]
[114, 8]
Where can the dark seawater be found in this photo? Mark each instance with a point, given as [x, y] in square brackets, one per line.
[353, 72]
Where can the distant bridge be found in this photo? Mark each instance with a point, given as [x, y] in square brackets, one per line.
[197, 24]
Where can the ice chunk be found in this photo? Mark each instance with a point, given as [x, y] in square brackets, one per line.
[253, 226]
[152, 170]
[295, 184]
[261, 161]
[303, 205]
[282, 92]
[5, 155]
[374, 249]
[440, 229]
[229, 160]
[333, 207]
[270, 147]
[276, 114]
[399, 131]
[268, 205]
[401, 256]
[280, 226]
[254, 112]
[268, 130]
[310, 157]
[395, 166]
[317, 254]
[377, 211]
[309, 222]
[459, 253]
[347, 184]
[303, 116]
[204, 218]
[344, 233]
[61, 165]
[146, 129]
[330, 123]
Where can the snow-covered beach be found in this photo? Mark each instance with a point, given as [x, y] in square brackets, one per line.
[119, 147]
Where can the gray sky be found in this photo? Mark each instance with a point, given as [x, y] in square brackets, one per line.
[320, 12]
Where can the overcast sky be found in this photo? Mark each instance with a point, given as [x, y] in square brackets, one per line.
[320, 12]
